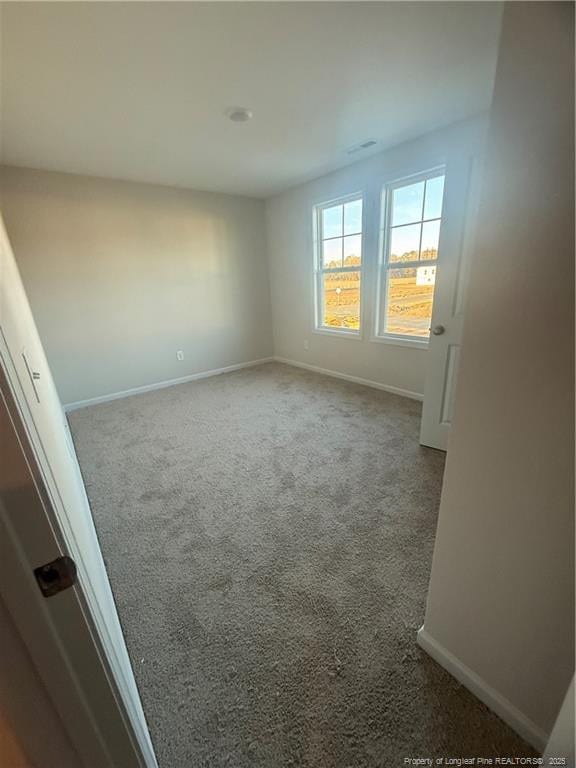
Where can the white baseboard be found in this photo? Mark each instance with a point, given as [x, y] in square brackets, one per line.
[353, 379]
[228, 369]
[161, 384]
[511, 715]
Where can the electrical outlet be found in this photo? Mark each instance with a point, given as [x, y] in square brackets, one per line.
[179, 355]
[306, 345]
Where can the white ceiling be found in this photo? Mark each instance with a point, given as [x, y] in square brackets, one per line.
[139, 90]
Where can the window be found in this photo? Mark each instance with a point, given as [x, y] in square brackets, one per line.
[411, 231]
[338, 265]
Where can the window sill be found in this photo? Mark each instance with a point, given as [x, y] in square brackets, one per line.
[402, 341]
[339, 333]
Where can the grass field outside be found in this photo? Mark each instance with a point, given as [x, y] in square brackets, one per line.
[409, 306]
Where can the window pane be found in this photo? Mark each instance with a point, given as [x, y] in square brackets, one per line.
[434, 194]
[352, 250]
[332, 221]
[353, 217]
[430, 237]
[407, 204]
[341, 300]
[332, 253]
[409, 297]
[405, 243]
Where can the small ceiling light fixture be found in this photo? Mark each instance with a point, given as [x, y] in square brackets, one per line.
[359, 147]
[239, 114]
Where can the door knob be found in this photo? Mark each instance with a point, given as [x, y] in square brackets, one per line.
[56, 576]
[438, 330]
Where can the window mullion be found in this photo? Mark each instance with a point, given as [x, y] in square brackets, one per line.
[423, 204]
[420, 241]
[332, 270]
[405, 264]
[341, 237]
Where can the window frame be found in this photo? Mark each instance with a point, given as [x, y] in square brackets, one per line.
[384, 265]
[320, 271]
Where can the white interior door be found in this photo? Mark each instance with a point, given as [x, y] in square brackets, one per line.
[456, 236]
[39, 407]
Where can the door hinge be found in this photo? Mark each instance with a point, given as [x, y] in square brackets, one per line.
[56, 576]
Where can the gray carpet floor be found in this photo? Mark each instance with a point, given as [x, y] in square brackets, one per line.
[268, 535]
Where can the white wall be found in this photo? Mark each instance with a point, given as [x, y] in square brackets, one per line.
[122, 275]
[501, 597]
[290, 252]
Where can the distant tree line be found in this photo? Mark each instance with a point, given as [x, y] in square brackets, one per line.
[428, 254]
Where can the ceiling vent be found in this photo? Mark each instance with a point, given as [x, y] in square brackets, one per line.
[239, 114]
[360, 147]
